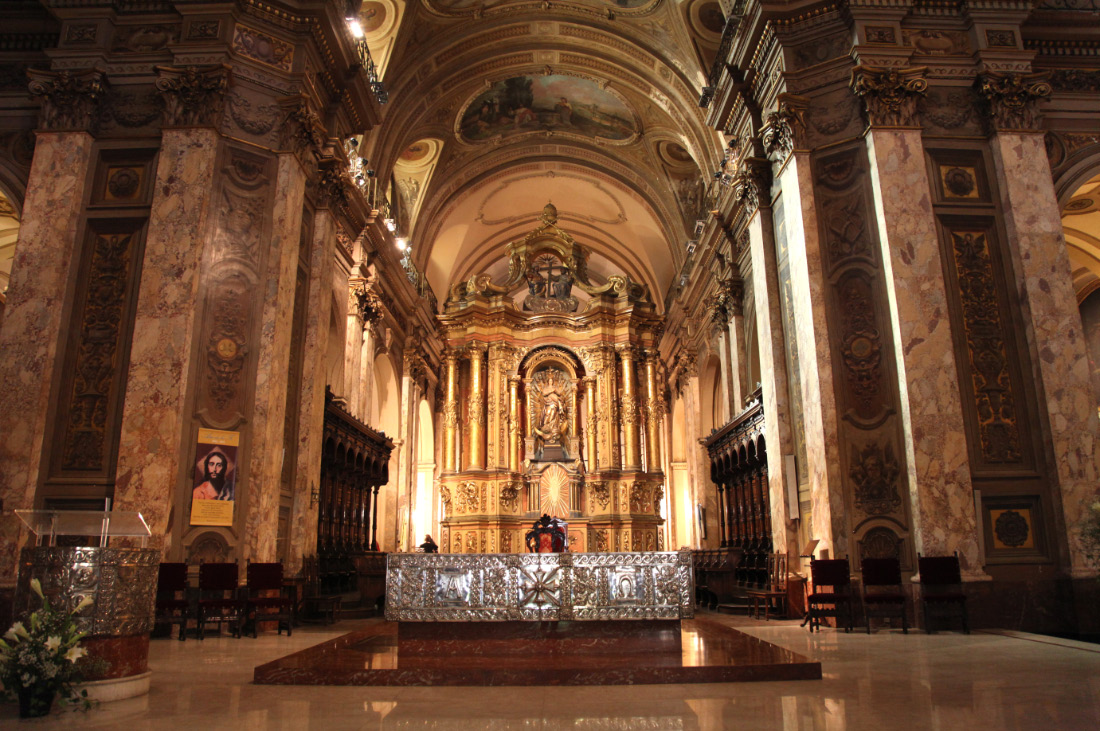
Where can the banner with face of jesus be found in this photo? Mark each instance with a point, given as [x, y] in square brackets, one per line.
[214, 478]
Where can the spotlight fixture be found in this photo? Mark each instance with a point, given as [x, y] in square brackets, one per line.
[402, 243]
[355, 27]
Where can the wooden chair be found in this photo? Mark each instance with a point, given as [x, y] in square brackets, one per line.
[173, 606]
[941, 589]
[774, 589]
[264, 579]
[219, 597]
[834, 575]
[883, 593]
[323, 604]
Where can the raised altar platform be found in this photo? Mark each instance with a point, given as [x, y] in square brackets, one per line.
[539, 619]
[495, 587]
[539, 653]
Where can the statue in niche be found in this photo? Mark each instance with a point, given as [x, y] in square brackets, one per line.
[551, 409]
[549, 284]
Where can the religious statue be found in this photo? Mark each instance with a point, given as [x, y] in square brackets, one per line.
[550, 285]
[551, 409]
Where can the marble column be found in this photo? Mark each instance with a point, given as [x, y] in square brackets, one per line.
[272, 368]
[937, 466]
[311, 406]
[34, 325]
[653, 413]
[450, 413]
[632, 447]
[1053, 324]
[775, 387]
[515, 458]
[725, 368]
[815, 355]
[476, 412]
[152, 447]
[735, 330]
[353, 354]
[591, 428]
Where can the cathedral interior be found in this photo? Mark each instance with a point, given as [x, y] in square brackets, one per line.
[308, 280]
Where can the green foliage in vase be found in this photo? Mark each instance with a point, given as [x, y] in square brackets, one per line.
[41, 654]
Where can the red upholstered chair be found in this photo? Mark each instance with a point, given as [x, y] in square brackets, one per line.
[883, 594]
[219, 597]
[265, 601]
[832, 594]
[172, 606]
[941, 589]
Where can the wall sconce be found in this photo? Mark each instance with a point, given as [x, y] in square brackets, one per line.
[314, 494]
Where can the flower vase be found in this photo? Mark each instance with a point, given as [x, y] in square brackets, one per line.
[36, 701]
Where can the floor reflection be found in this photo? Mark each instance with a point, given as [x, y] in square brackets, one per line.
[885, 680]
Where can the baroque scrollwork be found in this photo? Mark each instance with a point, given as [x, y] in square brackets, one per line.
[1012, 100]
[69, 99]
[784, 129]
[192, 97]
[890, 95]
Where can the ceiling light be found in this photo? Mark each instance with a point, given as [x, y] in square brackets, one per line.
[355, 27]
[402, 244]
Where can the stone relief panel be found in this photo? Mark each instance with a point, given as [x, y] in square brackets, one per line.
[866, 394]
[100, 355]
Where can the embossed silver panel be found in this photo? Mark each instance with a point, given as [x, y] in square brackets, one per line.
[121, 581]
[432, 587]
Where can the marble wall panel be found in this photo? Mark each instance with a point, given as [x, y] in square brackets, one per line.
[34, 314]
[273, 361]
[152, 444]
[311, 406]
[937, 468]
[1034, 226]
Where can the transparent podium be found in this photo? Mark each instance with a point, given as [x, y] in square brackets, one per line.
[100, 555]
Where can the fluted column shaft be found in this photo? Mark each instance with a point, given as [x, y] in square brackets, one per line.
[592, 432]
[476, 411]
[514, 454]
[653, 414]
[632, 449]
[450, 413]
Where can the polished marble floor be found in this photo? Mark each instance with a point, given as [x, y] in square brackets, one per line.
[886, 680]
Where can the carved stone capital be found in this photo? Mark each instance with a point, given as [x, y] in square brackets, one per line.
[333, 183]
[752, 183]
[784, 130]
[1012, 100]
[301, 130]
[365, 302]
[69, 99]
[889, 95]
[191, 97]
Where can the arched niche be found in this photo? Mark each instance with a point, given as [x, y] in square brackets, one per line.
[551, 390]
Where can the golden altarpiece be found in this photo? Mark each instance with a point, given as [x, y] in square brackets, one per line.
[551, 404]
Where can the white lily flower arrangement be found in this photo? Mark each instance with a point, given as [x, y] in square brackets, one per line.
[41, 654]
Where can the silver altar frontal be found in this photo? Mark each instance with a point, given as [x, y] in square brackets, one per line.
[434, 587]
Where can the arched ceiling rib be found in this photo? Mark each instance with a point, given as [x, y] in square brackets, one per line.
[617, 188]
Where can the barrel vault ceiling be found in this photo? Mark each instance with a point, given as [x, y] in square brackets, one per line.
[498, 107]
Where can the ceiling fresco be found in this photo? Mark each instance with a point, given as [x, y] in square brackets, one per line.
[591, 104]
[555, 103]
